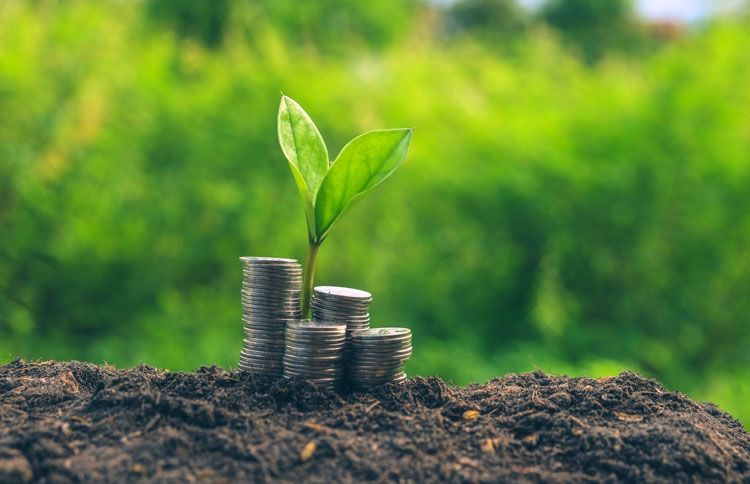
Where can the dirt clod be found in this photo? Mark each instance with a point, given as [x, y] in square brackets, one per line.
[70, 422]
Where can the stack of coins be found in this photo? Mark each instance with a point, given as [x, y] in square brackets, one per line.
[270, 300]
[315, 351]
[331, 304]
[378, 356]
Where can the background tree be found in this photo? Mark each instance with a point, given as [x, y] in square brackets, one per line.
[595, 26]
[490, 20]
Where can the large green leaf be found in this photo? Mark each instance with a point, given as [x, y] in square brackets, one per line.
[305, 150]
[362, 164]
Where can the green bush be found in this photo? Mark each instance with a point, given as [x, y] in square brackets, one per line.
[555, 215]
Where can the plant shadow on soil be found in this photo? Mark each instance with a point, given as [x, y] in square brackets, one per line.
[63, 422]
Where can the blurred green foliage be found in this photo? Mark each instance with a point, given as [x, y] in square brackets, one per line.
[554, 214]
[597, 27]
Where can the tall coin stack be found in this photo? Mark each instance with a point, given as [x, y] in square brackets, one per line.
[315, 351]
[270, 300]
[378, 356]
[331, 304]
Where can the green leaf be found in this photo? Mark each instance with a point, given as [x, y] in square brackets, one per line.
[306, 152]
[362, 164]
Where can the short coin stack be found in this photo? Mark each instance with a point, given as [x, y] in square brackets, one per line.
[270, 300]
[378, 356]
[315, 351]
[331, 304]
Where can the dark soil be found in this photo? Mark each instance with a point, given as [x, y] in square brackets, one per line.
[63, 422]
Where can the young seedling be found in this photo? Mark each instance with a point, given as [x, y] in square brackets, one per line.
[327, 187]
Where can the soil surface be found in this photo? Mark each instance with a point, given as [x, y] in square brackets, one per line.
[62, 422]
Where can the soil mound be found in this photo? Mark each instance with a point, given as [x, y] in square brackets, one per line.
[63, 422]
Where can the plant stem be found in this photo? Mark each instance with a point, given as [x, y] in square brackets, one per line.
[308, 277]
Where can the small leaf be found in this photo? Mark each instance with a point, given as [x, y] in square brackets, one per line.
[488, 446]
[530, 439]
[628, 417]
[305, 151]
[362, 164]
[470, 415]
[307, 451]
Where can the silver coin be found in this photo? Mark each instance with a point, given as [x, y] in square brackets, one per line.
[272, 374]
[268, 260]
[266, 290]
[314, 340]
[258, 355]
[383, 352]
[272, 276]
[251, 332]
[302, 349]
[349, 322]
[321, 336]
[302, 358]
[327, 314]
[271, 315]
[383, 333]
[360, 360]
[269, 318]
[341, 307]
[375, 368]
[262, 347]
[260, 362]
[323, 333]
[303, 342]
[256, 339]
[380, 341]
[338, 304]
[262, 339]
[254, 334]
[359, 363]
[330, 377]
[270, 357]
[254, 371]
[275, 330]
[321, 380]
[261, 367]
[271, 273]
[312, 351]
[356, 362]
[325, 319]
[266, 303]
[289, 312]
[378, 380]
[317, 370]
[279, 322]
[313, 326]
[382, 349]
[373, 375]
[314, 337]
[270, 289]
[342, 292]
[270, 269]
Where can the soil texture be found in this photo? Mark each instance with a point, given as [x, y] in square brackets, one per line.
[73, 422]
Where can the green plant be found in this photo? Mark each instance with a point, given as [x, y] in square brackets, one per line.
[328, 188]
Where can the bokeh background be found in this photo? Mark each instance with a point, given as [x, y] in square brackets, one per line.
[575, 199]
